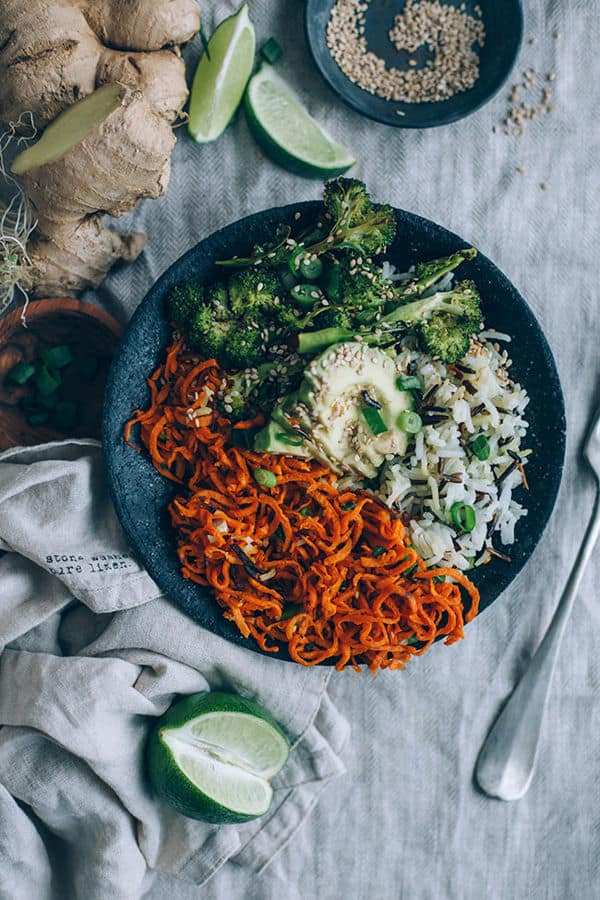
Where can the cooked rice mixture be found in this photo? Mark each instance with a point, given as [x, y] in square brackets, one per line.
[461, 402]
[449, 33]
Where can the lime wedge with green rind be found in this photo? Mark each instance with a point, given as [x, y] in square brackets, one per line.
[287, 132]
[212, 757]
[221, 77]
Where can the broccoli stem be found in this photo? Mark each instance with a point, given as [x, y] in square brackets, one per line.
[314, 341]
[417, 310]
[429, 273]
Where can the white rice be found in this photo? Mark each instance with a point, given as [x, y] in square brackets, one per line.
[418, 484]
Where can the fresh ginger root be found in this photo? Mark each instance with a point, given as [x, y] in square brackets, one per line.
[53, 54]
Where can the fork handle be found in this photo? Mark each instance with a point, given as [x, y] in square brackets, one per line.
[507, 759]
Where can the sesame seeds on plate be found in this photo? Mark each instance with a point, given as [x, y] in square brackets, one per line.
[450, 34]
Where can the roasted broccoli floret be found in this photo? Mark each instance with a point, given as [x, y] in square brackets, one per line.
[253, 290]
[363, 289]
[358, 223]
[218, 297]
[207, 334]
[255, 390]
[244, 346]
[183, 301]
[444, 323]
[352, 221]
[446, 337]
[346, 200]
[333, 317]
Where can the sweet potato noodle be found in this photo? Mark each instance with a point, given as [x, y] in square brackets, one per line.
[330, 573]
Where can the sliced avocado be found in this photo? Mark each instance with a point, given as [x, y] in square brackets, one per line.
[337, 387]
[268, 440]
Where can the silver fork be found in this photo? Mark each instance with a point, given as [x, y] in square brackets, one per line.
[506, 763]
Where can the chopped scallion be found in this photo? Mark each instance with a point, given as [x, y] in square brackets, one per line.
[481, 447]
[294, 440]
[463, 516]
[265, 478]
[38, 418]
[57, 357]
[21, 373]
[374, 420]
[47, 382]
[409, 383]
[271, 51]
[410, 422]
[305, 295]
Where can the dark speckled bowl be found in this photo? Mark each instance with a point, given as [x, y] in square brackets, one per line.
[503, 20]
[141, 495]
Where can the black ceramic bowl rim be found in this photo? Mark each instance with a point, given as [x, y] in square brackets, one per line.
[141, 495]
[419, 115]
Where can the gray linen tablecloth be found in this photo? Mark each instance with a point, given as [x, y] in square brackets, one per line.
[406, 820]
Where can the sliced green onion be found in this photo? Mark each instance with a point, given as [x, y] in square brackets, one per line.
[21, 373]
[332, 282]
[410, 422]
[374, 420]
[306, 295]
[378, 551]
[265, 477]
[57, 357]
[295, 259]
[271, 51]
[439, 579]
[294, 440]
[349, 504]
[47, 382]
[39, 417]
[305, 512]
[413, 639]
[463, 516]
[409, 383]
[481, 447]
[310, 268]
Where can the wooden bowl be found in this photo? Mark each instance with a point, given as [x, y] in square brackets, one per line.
[52, 322]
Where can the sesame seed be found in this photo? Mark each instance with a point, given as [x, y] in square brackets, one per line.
[450, 34]
[297, 215]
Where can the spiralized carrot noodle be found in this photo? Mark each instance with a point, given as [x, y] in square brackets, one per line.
[330, 573]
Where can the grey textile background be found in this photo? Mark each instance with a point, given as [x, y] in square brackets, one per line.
[406, 821]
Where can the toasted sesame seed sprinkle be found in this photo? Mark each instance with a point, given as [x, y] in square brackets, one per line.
[449, 33]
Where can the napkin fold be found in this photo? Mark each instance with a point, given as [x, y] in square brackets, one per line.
[90, 654]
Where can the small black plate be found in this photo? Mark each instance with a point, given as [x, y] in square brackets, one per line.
[141, 495]
[503, 20]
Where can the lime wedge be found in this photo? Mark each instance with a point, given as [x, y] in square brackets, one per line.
[212, 756]
[220, 80]
[287, 133]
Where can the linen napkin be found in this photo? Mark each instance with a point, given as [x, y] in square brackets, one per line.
[90, 654]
